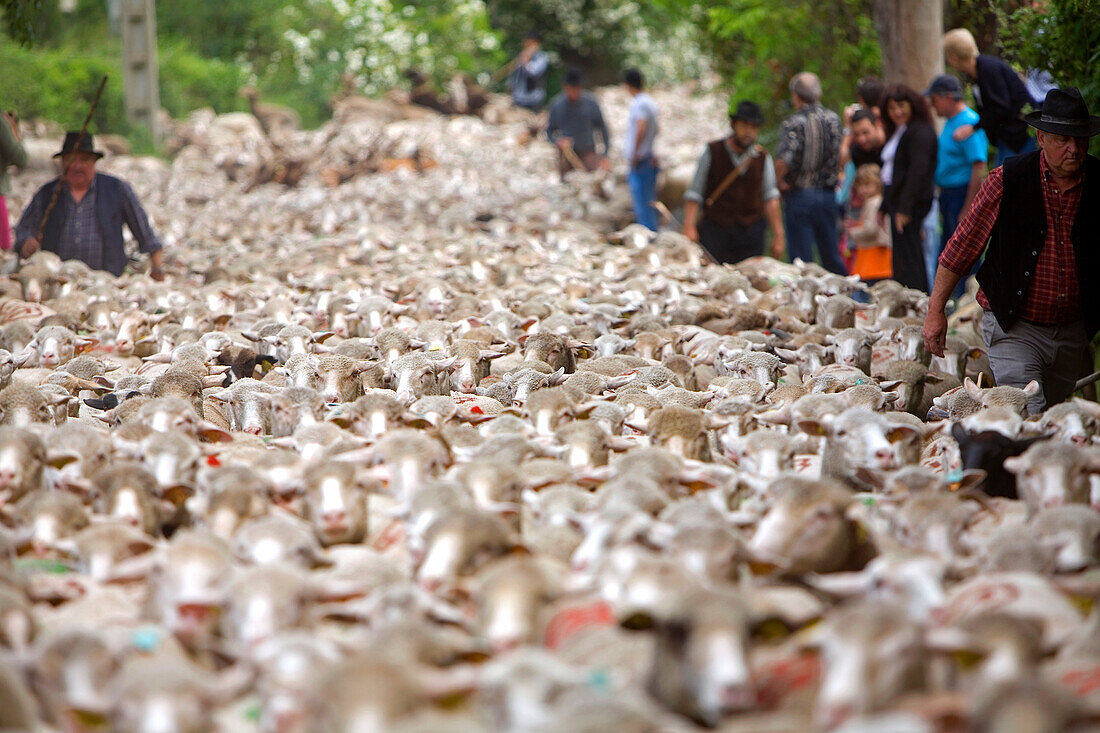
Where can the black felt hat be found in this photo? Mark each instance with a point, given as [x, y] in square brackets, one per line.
[77, 143]
[748, 112]
[1065, 113]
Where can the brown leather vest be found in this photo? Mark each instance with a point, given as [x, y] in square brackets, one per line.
[743, 200]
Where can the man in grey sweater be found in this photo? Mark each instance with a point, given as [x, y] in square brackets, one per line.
[575, 119]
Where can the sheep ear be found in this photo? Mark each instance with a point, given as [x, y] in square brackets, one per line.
[363, 365]
[557, 377]
[443, 365]
[1032, 388]
[213, 434]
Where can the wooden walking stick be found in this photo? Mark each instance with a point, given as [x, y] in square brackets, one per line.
[65, 170]
[572, 157]
[671, 219]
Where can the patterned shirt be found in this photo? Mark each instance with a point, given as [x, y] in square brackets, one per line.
[809, 143]
[1053, 296]
[81, 238]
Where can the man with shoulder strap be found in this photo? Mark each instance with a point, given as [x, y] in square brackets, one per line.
[1040, 215]
[735, 187]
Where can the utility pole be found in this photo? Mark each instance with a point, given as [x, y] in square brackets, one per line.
[139, 63]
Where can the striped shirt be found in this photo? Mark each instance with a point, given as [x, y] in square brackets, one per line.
[1053, 296]
[809, 143]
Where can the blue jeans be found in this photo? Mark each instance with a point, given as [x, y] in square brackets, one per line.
[809, 216]
[931, 244]
[1003, 151]
[951, 210]
[643, 190]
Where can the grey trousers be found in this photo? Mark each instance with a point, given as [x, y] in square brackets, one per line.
[1054, 356]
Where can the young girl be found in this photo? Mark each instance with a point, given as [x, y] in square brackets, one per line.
[869, 236]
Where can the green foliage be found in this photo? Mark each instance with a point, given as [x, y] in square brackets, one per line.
[27, 21]
[1062, 37]
[604, 37]
[59, 85]
[189, 81]
[759, 45]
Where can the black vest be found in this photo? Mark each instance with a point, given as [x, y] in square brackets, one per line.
[743, 200]
[1020, 234]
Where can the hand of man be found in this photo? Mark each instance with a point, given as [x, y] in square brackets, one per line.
[901, 221]
[935, 332]
[691, 232]
[962, 132]
[605, 163]
[29, 247]
[779, 245]
[157, 273]
[564, 143]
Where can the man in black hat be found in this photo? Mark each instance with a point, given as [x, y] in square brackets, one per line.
[575, 121]
[735, 187]
[1039, 213]
[86, 220]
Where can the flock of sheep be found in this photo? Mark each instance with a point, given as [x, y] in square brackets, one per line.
[430, 450]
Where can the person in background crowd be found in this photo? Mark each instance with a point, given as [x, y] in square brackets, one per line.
[868, 138]
[734, 185]
[641, 131]
[12, 153]
[806, 168]
[528, 79]
[575, 120]
[869, 236]
[960, 166]
[908, 173]
[1037, 219]
[86, 222]
[999, 93]
[869, 91]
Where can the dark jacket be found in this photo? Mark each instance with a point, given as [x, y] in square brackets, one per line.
[1003, 96]
[111, 212]
[914, 172]
[1020, 234]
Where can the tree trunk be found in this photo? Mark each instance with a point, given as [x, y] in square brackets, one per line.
[911, 34]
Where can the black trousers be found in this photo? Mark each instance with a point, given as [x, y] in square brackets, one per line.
[908, 254]
[733, 243]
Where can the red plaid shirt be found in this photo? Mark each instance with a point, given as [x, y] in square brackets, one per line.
[1053, 295]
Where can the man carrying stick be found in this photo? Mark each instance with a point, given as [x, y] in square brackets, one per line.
[85, 222]
[735, 187]
[575, 121]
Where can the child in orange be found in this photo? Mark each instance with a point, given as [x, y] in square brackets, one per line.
[869, 235]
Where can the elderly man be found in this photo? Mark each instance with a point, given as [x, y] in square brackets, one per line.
[806, 165]
[734, 185]
[86, 221]
[1040, 214]
[575, 121]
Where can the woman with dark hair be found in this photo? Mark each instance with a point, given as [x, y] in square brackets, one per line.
[908, 174]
